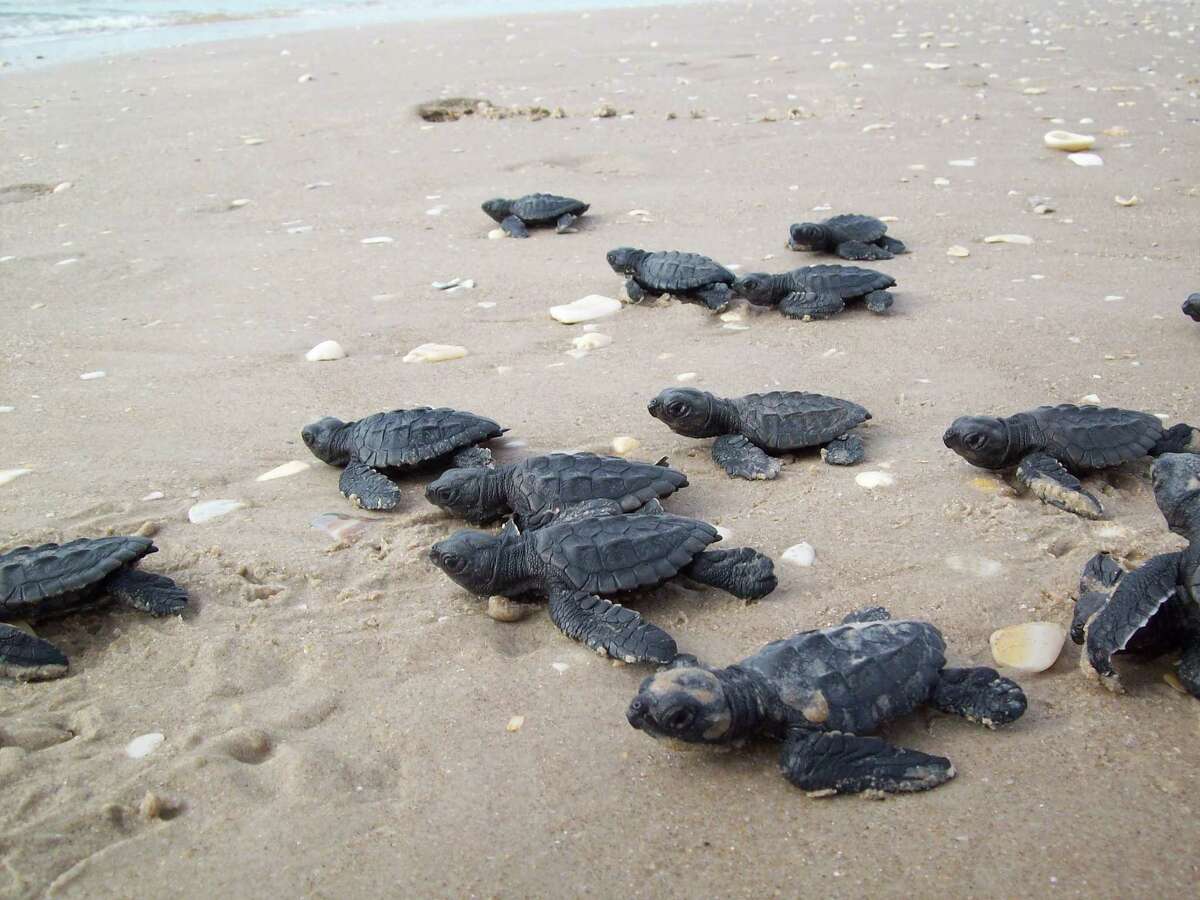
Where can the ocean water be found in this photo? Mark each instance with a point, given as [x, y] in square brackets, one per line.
[40, 32]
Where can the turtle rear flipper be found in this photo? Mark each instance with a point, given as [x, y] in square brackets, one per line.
[892, 245]
[1051, 483]
[1179, 438]
[368, 487]
[858, 250]
[514, 227]
[742, 458]
[145, 591]
[565, 223]
[979, 695]
[831, 762]
[811, 305]
[29, 658]
[743, 572]
[610, 628]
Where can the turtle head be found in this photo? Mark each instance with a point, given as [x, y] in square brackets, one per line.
[472, 559]
[323, 438]
[1191, 307]
[687, 411]
[1176, 478]
[624, 260]
[499, 208]
[757, 287]
[464, 493]
[980, 440]
[808, 236]
[685, 704]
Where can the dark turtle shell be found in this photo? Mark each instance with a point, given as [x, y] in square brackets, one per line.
[853, 677]
[40, 581]
[1088, 437]
[609, 554]
[791, 420]
[855, 227]
[672, 272]
[844, 281]
[543, 485]
[411, 437]
[539, 209]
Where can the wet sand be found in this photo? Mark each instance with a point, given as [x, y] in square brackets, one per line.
[335, 716]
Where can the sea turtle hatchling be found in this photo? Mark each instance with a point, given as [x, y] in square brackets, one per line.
[817, 292]
[689, 276]
[536, 490]
[1154, 609]
[516, 217]
[1050, 445]
[1191, 307]
[56, 579]
[370, 448]
[577, 562]
[748, 429]
[822, 693]
[851, 237]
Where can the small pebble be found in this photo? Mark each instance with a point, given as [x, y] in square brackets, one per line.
[687, 376]
[380, 239]
[144, 745]
[238, 203]
[801, 554]
[1086, 159]
[625, 444]
[872, 480]
[515, 723]
[1127, 201]
[92, 376]
[591, 341]
[958, 250]
[1066, 140]
[305, 78]
[324, 351]
[941, 182]
[7, 475]
[295, 467]
[1008, 239]
[937, 66]
[1089, 398]
[1031, 647]
[211, 509]
[153, 495]
[585, 309]
[962, 164]
[497, 234]
[435, 353]
[62, 186]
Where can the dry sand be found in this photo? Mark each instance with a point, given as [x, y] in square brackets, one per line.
[335, 717]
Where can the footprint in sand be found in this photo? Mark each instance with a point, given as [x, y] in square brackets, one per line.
[252, 746]
[19, 193]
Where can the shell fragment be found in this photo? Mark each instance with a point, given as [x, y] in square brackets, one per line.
[1066, 140]
[435, 353]
[585, 309]
[801, 554]
[325, 351]
[1008, 239]
[1031, 647]
[295, 467]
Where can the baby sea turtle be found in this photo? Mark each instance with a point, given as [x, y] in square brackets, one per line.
[1050, 445]
[850, 237]
[1154, 609]
[532, 210]
[749, 428]
[1191, 307]
[578, 561]
[55, 579]
[817, 292]
[536, 490]
[401, 439]
[689, 276]
[820, 692]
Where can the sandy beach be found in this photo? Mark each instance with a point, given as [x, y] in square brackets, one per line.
[335, 716]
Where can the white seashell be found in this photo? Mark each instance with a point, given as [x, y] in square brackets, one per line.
[941, 182]
[304, 79]
[486, 304]
[435, 211]
[1008, 239]
[593, 306]
[801, 554]
[7, 409]
[962, 164]
[1090, 398]
[435, 353]
[937, 66]
[153, 495]
[1066, 140]
[625, 444]
[313, 185]
[211, 509]
[974, 565]
[591, 341]
[144, 745]
[1086, 159]
[238, 203]
[687, 376]
[1127, 201]
[253, 141]
[324, 351]
[872, 480]
[957, 250]
[497, 234]
[559, 666]
[1031, 647]
[7, 475]
[725, 533]
[380, 239]
[445, 285]
[92, 376]
[63, 186]
[342, 528]
[639, 212]
[295, 467]
[1034, 91]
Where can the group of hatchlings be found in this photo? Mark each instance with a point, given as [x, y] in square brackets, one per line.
[582, 528]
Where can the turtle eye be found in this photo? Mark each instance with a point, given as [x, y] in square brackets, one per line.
[975, 440]
[679, 720]
[678, 408]
[454, 563]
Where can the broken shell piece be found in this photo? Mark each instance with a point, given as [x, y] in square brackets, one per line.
[1127, 201]
[324, 351]
[497, 234]
[505, 609]
[593, 340]
[380, 239]
[153, 495]
[435, 353]
[625, 444]
[1008, 239]
[92, 376]
[7, 475]
[1066, 140]
[1090, 398]
[342, 528]
[801, 554]
[295, 467]
[585, 309]
[1031, 647]
[144, 745]
[958, 250]
[515, 723]
[687, 376]
[872, 480]
[211, 509]
[1086, 159]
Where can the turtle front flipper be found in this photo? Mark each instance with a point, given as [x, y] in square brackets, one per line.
[1100, 576]
[979, 695]
[635, 292]
[610, 628]
[857, 250]
[714, 297]
[565, 223]
[474, 458]
[1052, 483]
[811, 305]
[878, 302]
[848, 450]
[892, 245]
[831, 762]
[28, 658]
[368, 487]
[145, 591]
[514, 227]
[742, 458]
[743, 572]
